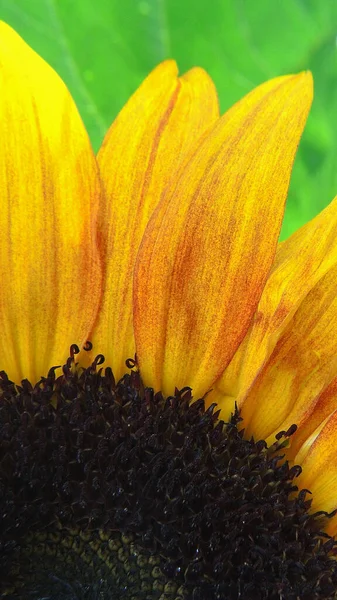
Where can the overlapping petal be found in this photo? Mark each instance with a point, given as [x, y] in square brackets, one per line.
[320, 408]
[187, 207]
[208, 249]
[319, 470]
[49, 266]
[289, 355]
[299, 264]
[154, 133]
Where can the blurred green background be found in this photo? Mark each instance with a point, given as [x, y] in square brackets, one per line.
[104, 48]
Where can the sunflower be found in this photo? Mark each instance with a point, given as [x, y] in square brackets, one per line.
[186, 448]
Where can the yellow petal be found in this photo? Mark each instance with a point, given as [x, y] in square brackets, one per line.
[302, 364]
[49, 266]
[319, 410]
[299, 264]
[207, 251]
[143, 149]
[319, 471]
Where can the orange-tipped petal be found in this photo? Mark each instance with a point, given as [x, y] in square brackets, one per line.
[302, 364]
[143, 149]
[207, 251]
[299, 264]
[319, 470]
[49, 185]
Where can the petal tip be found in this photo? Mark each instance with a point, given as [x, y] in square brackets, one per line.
[168, 67]
[306, 82]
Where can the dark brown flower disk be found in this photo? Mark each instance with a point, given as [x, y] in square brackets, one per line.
[109, 491]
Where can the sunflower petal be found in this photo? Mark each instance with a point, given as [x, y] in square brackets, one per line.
[301, 365]
[319, 470]
[322, 407]
[299, 264]
[207, 251]
[49, 266]
[143, 149]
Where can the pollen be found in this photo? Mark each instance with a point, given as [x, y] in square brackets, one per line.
[109, 490]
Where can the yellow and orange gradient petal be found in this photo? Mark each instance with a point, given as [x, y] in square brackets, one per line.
[314, 448]
[290, 351]
[152, 136]
[49, 265]
[319, 469]
[208, 249]
[300, 262]
[302, 364]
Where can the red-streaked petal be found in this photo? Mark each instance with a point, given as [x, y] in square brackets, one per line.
[208, 249]
[300, 262]
[302, 364]
[151, 137]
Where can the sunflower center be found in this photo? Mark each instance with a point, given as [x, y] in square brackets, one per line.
[64, 564]
[108, 490]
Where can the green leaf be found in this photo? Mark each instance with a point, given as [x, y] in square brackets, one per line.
[104, 48]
